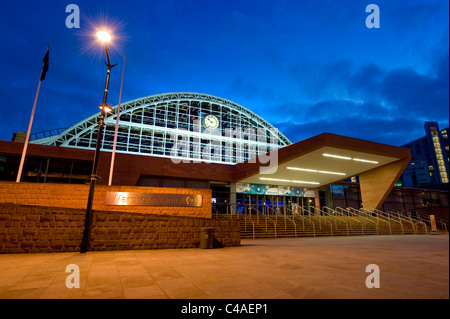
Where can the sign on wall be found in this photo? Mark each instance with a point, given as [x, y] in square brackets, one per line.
[259, 189]
[153, 199]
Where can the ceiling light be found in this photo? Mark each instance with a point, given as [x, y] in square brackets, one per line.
[349, 158]
[334, 173]
[274, 179]
[366, 161]
[304, 182]
[287, 181]
[337, 156]
[302, 169]
[314, 171]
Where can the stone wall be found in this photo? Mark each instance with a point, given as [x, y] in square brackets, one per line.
[33, 229]
[76, 196]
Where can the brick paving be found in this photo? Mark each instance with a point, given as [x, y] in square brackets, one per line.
[411, 266]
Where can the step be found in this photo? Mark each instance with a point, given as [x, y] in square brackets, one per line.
[342, 226]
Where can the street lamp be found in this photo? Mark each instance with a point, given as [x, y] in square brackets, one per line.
[103, 36]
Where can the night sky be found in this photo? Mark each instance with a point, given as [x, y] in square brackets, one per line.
[307, 67]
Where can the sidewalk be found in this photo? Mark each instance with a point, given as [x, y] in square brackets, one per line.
[411, 266]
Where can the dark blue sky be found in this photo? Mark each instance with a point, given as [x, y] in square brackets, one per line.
[307, 67]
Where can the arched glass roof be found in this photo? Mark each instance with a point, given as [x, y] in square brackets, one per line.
[183, 126]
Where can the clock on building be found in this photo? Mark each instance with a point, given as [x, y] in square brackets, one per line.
[211, 122]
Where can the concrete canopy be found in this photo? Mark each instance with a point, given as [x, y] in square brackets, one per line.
[329, 158]
[291, 165]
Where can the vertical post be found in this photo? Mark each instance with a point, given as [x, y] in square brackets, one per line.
[46, 169]
[111, 169]
[30, 124]
[433, 225]
[317, 201]
[27, 138]
[94, 177]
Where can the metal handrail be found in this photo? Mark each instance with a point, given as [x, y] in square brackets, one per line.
[366, 217]
[266, 218]
[412, 220]
[245, 225]
[403, 217]
[423, 221]
[443, 221]
[303, 220]
[336, 218]
[351, 218]
[377, 218]
[320, 218]
[388, 216]
[285, 218]
[427, 215]
[424, 218]
[217, 211]
[360, 216]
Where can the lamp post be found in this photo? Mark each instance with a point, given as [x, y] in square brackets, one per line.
[104, 37]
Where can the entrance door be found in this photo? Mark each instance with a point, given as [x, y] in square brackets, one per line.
[221, 197]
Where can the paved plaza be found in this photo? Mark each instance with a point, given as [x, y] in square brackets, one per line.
[410, 266]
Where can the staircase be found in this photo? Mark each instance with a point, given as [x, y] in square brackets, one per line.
[305, 224]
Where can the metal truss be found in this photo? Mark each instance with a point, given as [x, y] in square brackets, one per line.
[170, 125]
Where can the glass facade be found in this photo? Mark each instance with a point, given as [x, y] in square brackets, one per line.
[181, 126]
[400, 198]
[45, 169]
[429, 166]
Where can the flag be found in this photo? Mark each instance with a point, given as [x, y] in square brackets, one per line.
[45, 67]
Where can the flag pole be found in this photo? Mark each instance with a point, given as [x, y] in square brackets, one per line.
[25, 146]
[111, 168]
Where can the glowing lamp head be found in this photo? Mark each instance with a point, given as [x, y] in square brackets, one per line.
[103, 36]
[108, 108]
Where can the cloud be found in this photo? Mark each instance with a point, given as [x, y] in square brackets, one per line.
[377, 130]
[369, 101]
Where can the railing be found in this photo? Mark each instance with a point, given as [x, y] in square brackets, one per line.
[320, 218]
[303, 220]
[326, 210]
[276, 213]
[425, 217]
[47, 133]
[368, 216]
[238, 213]
[402, 217]
[413, 221]
[355, 213]
[326, 215]
[265, 217]
[217, 212]
[390, 218]
[376, 215]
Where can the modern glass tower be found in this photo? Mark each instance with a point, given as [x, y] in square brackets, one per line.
[430, 156]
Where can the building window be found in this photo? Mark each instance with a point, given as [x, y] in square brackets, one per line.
[439, 156]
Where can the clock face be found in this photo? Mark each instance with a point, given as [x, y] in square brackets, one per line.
[211, 122]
